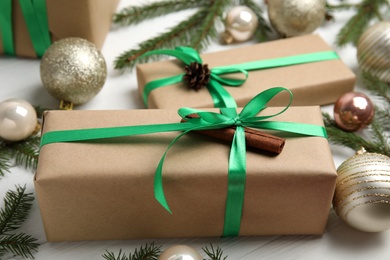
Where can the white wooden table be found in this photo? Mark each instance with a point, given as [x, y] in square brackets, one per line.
[19, 78]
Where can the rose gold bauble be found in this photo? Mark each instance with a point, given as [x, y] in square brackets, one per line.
[353, 111]
[180, 252]
[362, 195]
[296, 17]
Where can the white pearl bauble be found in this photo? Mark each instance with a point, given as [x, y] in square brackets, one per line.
[240, 24]
[362, 195]
[18, 119]
[180, 252]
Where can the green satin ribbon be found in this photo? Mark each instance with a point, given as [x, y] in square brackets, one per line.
[35, 16]
[220, 97]
[248, 117]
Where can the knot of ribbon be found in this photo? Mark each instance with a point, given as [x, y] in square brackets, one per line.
[248, 117]
[220, 97]
[35, 16]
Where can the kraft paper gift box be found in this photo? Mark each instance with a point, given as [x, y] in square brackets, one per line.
[104, 189]
[316, 83]
[88, 19]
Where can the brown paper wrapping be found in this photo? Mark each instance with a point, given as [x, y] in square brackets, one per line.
[88, 19]
[318, 83]
[96, 191]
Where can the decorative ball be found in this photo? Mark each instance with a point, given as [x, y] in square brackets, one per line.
[353, 111]
[18, 119]
[362, 196]
[180, 252]
[296, 17]
[373, 51]
[73, 70]
[240, 24]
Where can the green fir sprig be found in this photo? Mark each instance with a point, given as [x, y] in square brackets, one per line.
[366, 11]
[378, 139]
[17, 204]
[196, 31]
[152, 252]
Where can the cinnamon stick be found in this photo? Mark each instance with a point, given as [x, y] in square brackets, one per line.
[254, 138]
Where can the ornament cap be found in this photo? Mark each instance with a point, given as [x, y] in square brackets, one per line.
[361, 151]
[66, 105]
[227, 37]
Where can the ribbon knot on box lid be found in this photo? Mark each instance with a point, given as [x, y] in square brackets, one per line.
[220, 97]
[248, 117]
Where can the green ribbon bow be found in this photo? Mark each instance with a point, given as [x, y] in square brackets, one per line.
[35, 16]
[220, 96]
[206, 120]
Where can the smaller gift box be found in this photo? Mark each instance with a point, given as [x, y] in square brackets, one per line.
[90, 188]
[88, 19]
[288, 62]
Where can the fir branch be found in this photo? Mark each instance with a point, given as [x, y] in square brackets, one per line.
[367, 10]
[4, 160]
[175, 36]
[262, 28]
[147, 252]
[353, 140]
[136, 14]
[17, 204]
[377, 87]
[214, 254]
[26, 152]
[18, 245]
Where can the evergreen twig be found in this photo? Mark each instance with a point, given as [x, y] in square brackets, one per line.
[214, 254]
[16, 207]
[4, 161]
[146, 252]
[136, 14]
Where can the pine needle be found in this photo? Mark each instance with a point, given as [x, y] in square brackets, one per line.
[214, 254]
[26, 152]
[17, 204]
[4, 160]
[146, 252]
[136, 14]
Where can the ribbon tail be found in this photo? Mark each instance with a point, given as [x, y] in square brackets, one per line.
[236, 184]
[6, 27]
[221, 98]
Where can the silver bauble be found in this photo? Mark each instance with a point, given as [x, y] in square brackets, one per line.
[73, 70]
[373, 51]
[180, 252]
[362, 196]
[18, 119]
[240, 24]
[296, 17]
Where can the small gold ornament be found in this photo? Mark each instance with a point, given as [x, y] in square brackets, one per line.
[373, 51]
[180, 252]
[296, 17]
[73, 70]
[362, 196]
[240, 24]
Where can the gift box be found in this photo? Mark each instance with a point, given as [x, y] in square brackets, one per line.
[88, 19]
[99, 190]
[313, 83]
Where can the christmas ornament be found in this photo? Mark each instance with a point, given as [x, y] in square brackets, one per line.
[353, 111]
[373, 51]
[240, 24]
[362, 196]
[18, 119]
[180, 252]
[73, 70]
[296, 17]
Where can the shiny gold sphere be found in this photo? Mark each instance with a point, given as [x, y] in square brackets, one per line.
[373, 51]
[240, 24]
[296, 17]
[362, 196]
[73, 70]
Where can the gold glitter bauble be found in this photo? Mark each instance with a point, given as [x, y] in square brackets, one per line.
[373, 51]
[296, 17]
[73, 70]
[362, 196]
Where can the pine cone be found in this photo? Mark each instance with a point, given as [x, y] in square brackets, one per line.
[197, 75]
